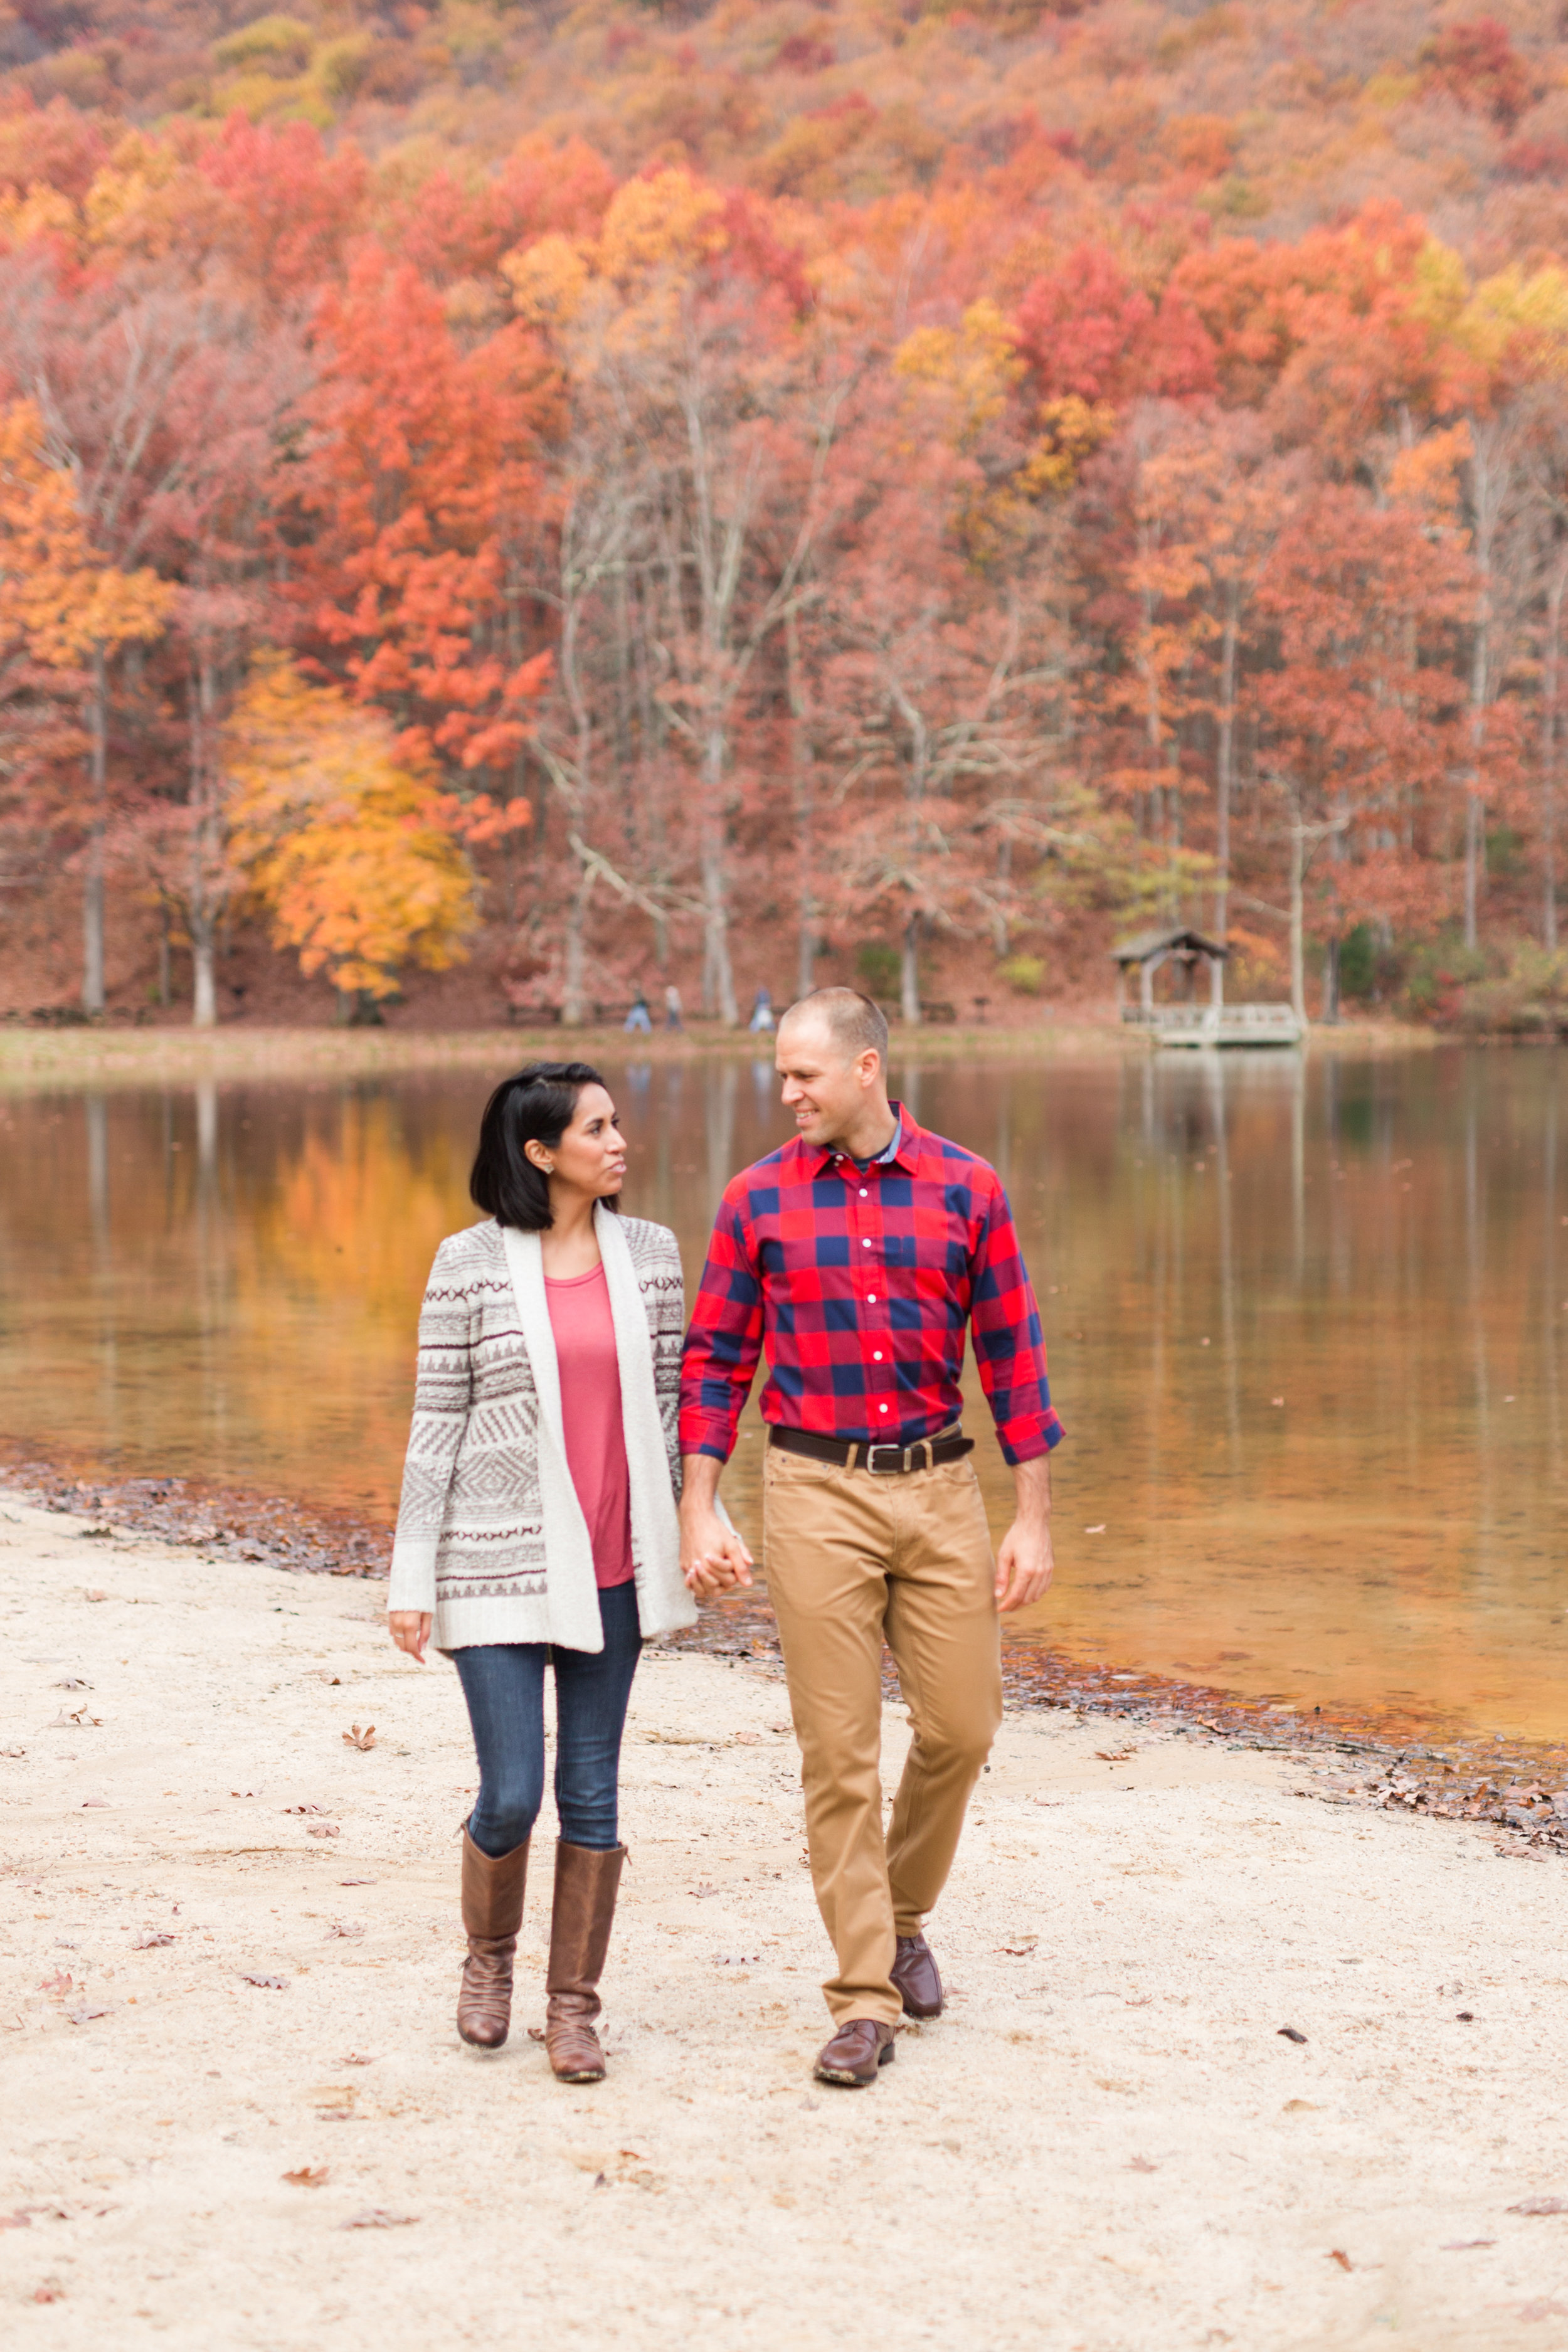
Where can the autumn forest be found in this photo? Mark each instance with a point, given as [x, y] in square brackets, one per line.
[504, 506]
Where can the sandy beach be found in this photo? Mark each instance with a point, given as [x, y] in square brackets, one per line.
[238, 2113]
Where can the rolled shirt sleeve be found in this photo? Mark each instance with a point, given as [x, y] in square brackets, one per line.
[1009, 1344]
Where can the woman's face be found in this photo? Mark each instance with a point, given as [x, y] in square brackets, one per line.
[590, 1156]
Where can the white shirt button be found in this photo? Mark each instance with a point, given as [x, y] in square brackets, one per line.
[870, 1299]
[881, 1408]
[864, 1195]
[876, 1355]
[866, 1245]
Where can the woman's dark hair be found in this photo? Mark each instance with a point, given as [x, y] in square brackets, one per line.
[536, 1107]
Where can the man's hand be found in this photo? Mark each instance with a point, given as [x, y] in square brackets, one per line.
[410, 1629]
[712, 1557]
[1025, 1564]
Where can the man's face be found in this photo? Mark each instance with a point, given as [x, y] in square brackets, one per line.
[821, 1088]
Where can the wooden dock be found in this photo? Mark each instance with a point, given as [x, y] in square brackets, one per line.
[1198, 1025]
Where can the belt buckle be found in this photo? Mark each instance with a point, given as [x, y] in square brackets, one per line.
[896, 1464]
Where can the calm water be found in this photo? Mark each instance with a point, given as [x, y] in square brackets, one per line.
[1307, 1325]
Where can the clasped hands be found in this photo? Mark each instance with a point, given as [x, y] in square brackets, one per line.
[713, 1559]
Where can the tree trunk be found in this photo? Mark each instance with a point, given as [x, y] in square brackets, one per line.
[205, 896]
[575, 987]
[1551, 670]
[803, 781]
[93, 972]
[909, 973]
[1485, 490]
[1330, 1002]
[718, 977]
[1225, 765]
[1298, 898]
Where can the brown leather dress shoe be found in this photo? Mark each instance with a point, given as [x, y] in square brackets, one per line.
[918, 1977]
[860, 2045]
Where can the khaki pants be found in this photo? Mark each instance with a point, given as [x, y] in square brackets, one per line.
[850, 1559]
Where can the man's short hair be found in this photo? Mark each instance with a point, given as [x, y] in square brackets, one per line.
[856, 1025]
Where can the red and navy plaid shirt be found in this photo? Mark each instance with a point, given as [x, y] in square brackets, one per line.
[861, 1283]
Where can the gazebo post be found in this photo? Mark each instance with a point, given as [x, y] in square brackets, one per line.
[1146, 986]
[1217, 981]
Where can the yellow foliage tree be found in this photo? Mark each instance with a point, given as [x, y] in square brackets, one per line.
[346, 845]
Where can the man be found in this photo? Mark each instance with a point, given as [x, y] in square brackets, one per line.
[857, 1256]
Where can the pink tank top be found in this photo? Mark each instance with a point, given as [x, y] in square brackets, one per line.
[585, 1332]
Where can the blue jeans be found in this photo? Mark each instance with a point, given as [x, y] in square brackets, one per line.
[503, 1682]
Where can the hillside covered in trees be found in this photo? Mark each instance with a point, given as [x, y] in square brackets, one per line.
[509, 505]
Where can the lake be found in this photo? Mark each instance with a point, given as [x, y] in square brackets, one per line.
[1307, 1322]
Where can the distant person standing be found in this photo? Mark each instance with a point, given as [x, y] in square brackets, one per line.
[761, 1022]
[537, 1534]
[672, 1019]
[638, 1020]
[858, 1255]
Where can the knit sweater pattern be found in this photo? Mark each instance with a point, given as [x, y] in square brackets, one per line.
[472, 1523]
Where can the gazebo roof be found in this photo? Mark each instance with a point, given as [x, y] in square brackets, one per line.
[1145, 945]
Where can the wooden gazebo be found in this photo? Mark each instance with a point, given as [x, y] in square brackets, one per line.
[1187, 1022]
[1148, 950]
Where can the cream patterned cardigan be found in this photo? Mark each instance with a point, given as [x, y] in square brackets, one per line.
[491, 1536]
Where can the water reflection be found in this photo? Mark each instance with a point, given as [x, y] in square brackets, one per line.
[1305, 1321]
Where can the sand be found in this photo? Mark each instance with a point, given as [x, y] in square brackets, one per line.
[1106, 2143]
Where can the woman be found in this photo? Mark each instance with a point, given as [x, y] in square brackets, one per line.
[538, 1523]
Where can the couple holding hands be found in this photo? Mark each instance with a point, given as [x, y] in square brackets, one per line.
[558, 1417]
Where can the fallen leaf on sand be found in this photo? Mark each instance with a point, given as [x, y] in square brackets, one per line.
[346, 1927]
[1540, 2205]
[245, 1792]
[358, 1738]
[376, 2217]
[1290, 2034]
[51, 2291]
[1115, 1755]
[1543, 2310]
[748, 1739]
[310, 2176]
[1300, 2108]
[150, 1942]
[92, 1534]
[87, 1803]
[356, 2058]
[16, 2221]
[1020, 1950]
[59, 1984]
[77, 1719]
[536, 2032]
[1338, 2254]
[1464, 2245]
[1100, 1531]
[1275, 1400]
[269, 1984]
[95, 1595]
[84, 2015]
[73, 1682]
[1140, 2164]
[323, 1828]
[13, 1751]
[304, 1809]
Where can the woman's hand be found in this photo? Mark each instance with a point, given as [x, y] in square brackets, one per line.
[410, 1629]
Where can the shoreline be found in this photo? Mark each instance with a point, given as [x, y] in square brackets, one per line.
[1520, 1787]
[1217, 2065]
[36, 1058]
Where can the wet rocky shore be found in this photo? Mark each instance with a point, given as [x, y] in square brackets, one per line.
[1521, 1790]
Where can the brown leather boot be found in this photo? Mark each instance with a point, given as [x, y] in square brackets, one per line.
[587, 1878]
[493, 1914]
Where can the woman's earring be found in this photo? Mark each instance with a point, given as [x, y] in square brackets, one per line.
[550, 1167]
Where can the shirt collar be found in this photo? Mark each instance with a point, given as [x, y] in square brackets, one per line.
[903, 1150]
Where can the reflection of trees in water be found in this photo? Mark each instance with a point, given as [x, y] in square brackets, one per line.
[227, 1279]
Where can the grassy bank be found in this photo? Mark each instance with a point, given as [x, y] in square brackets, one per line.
[110, 1056]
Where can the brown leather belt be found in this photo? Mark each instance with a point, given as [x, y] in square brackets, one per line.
[882, 1461]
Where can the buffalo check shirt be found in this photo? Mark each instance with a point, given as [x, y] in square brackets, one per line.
[859, 1282]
